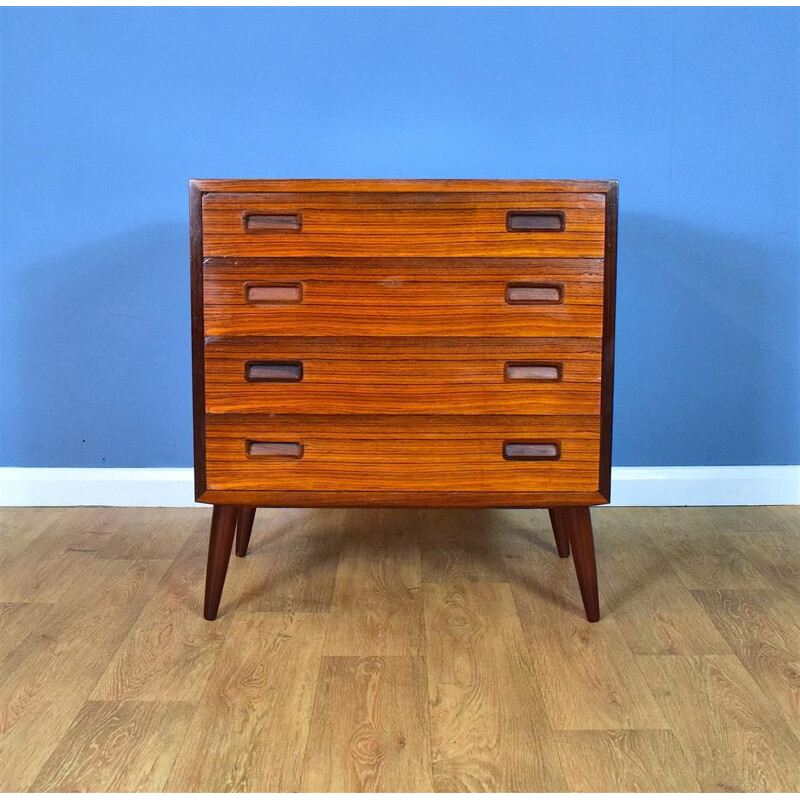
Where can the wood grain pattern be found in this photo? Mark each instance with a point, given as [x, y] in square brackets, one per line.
[720, 714]
[42, 567]
[395, 185]
[762, 629]
[412, 259]
[19, 528]
[170, 650]
[390, 376]
[369, 731]
[18, 621]
[282, 498]
[588, 676]
[49, 676]
[112, 747]
[642, 585]
[402, 224]
[484, 694]
[402, 453]
[376, 608]
[292, 561]
[261, 690]
[403, 297]
[625, 761]
[458, 546]
[729, 716]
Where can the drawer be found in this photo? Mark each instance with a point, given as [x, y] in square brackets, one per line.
[404, 376]
[386, 453]
[545, 224]
[403, 297]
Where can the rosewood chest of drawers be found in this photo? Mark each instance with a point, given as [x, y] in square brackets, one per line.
[404, 343]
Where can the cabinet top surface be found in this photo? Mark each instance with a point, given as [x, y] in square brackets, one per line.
[347, 185]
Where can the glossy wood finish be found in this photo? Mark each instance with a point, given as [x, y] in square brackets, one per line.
[223, 527]
[407, 297]
[578, 524]
[402, 224]
[283, 498]
[560, 532]
[244, 528]
[401, 376]
[414, 453]
[489, 679]
[362, 339]
[382, 185]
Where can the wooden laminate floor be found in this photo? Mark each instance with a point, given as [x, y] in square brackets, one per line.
[400, 650]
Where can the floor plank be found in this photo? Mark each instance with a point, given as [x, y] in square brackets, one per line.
[377, 609]
[114, 747]
[588, 675]
[625, 761]
[251, 727]
[484, 696]
[48, 677]
[170, 651]
[721, 716]
[18, 621]
[714, 563]
[641, 590]
[19, 527]
[763, 630]
[292, 560]
[776, 557]
[400, 649]
[63, 547]
[369, 731]
[461, 545]
[148, 532]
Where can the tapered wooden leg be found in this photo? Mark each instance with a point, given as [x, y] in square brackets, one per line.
[223, 526]
[579, 527]
[244, 527]
[560, 532]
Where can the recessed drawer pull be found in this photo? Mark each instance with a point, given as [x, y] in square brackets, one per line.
[533, 372]
[535, 221]
[269, 223]
[534, 293]
[274, 449]
[273, 293]
[531, 451]
[274, 371]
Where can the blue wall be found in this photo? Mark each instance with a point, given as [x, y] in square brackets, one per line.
[107, 113]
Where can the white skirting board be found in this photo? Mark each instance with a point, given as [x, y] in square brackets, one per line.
[630, 486]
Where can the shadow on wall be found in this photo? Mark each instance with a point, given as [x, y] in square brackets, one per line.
[704, 372]
[104, 354]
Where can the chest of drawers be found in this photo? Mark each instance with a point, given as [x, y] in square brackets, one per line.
[405, 343]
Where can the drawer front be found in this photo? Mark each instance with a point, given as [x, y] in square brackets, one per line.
[546, 224]
[404, 376]
[524, 454]
[403, 297]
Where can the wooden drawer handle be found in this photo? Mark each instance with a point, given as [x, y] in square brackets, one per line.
[534, 293]
[269, 223]
[274, 371]
[531, 451]
[274, 449]
[267, 293]
[533, 372]
[526, 221]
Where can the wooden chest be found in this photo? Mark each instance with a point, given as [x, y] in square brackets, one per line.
[419, 343]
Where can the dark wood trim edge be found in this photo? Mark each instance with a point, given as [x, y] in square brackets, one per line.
[609, 313]
[437, 499]
[198, 336]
